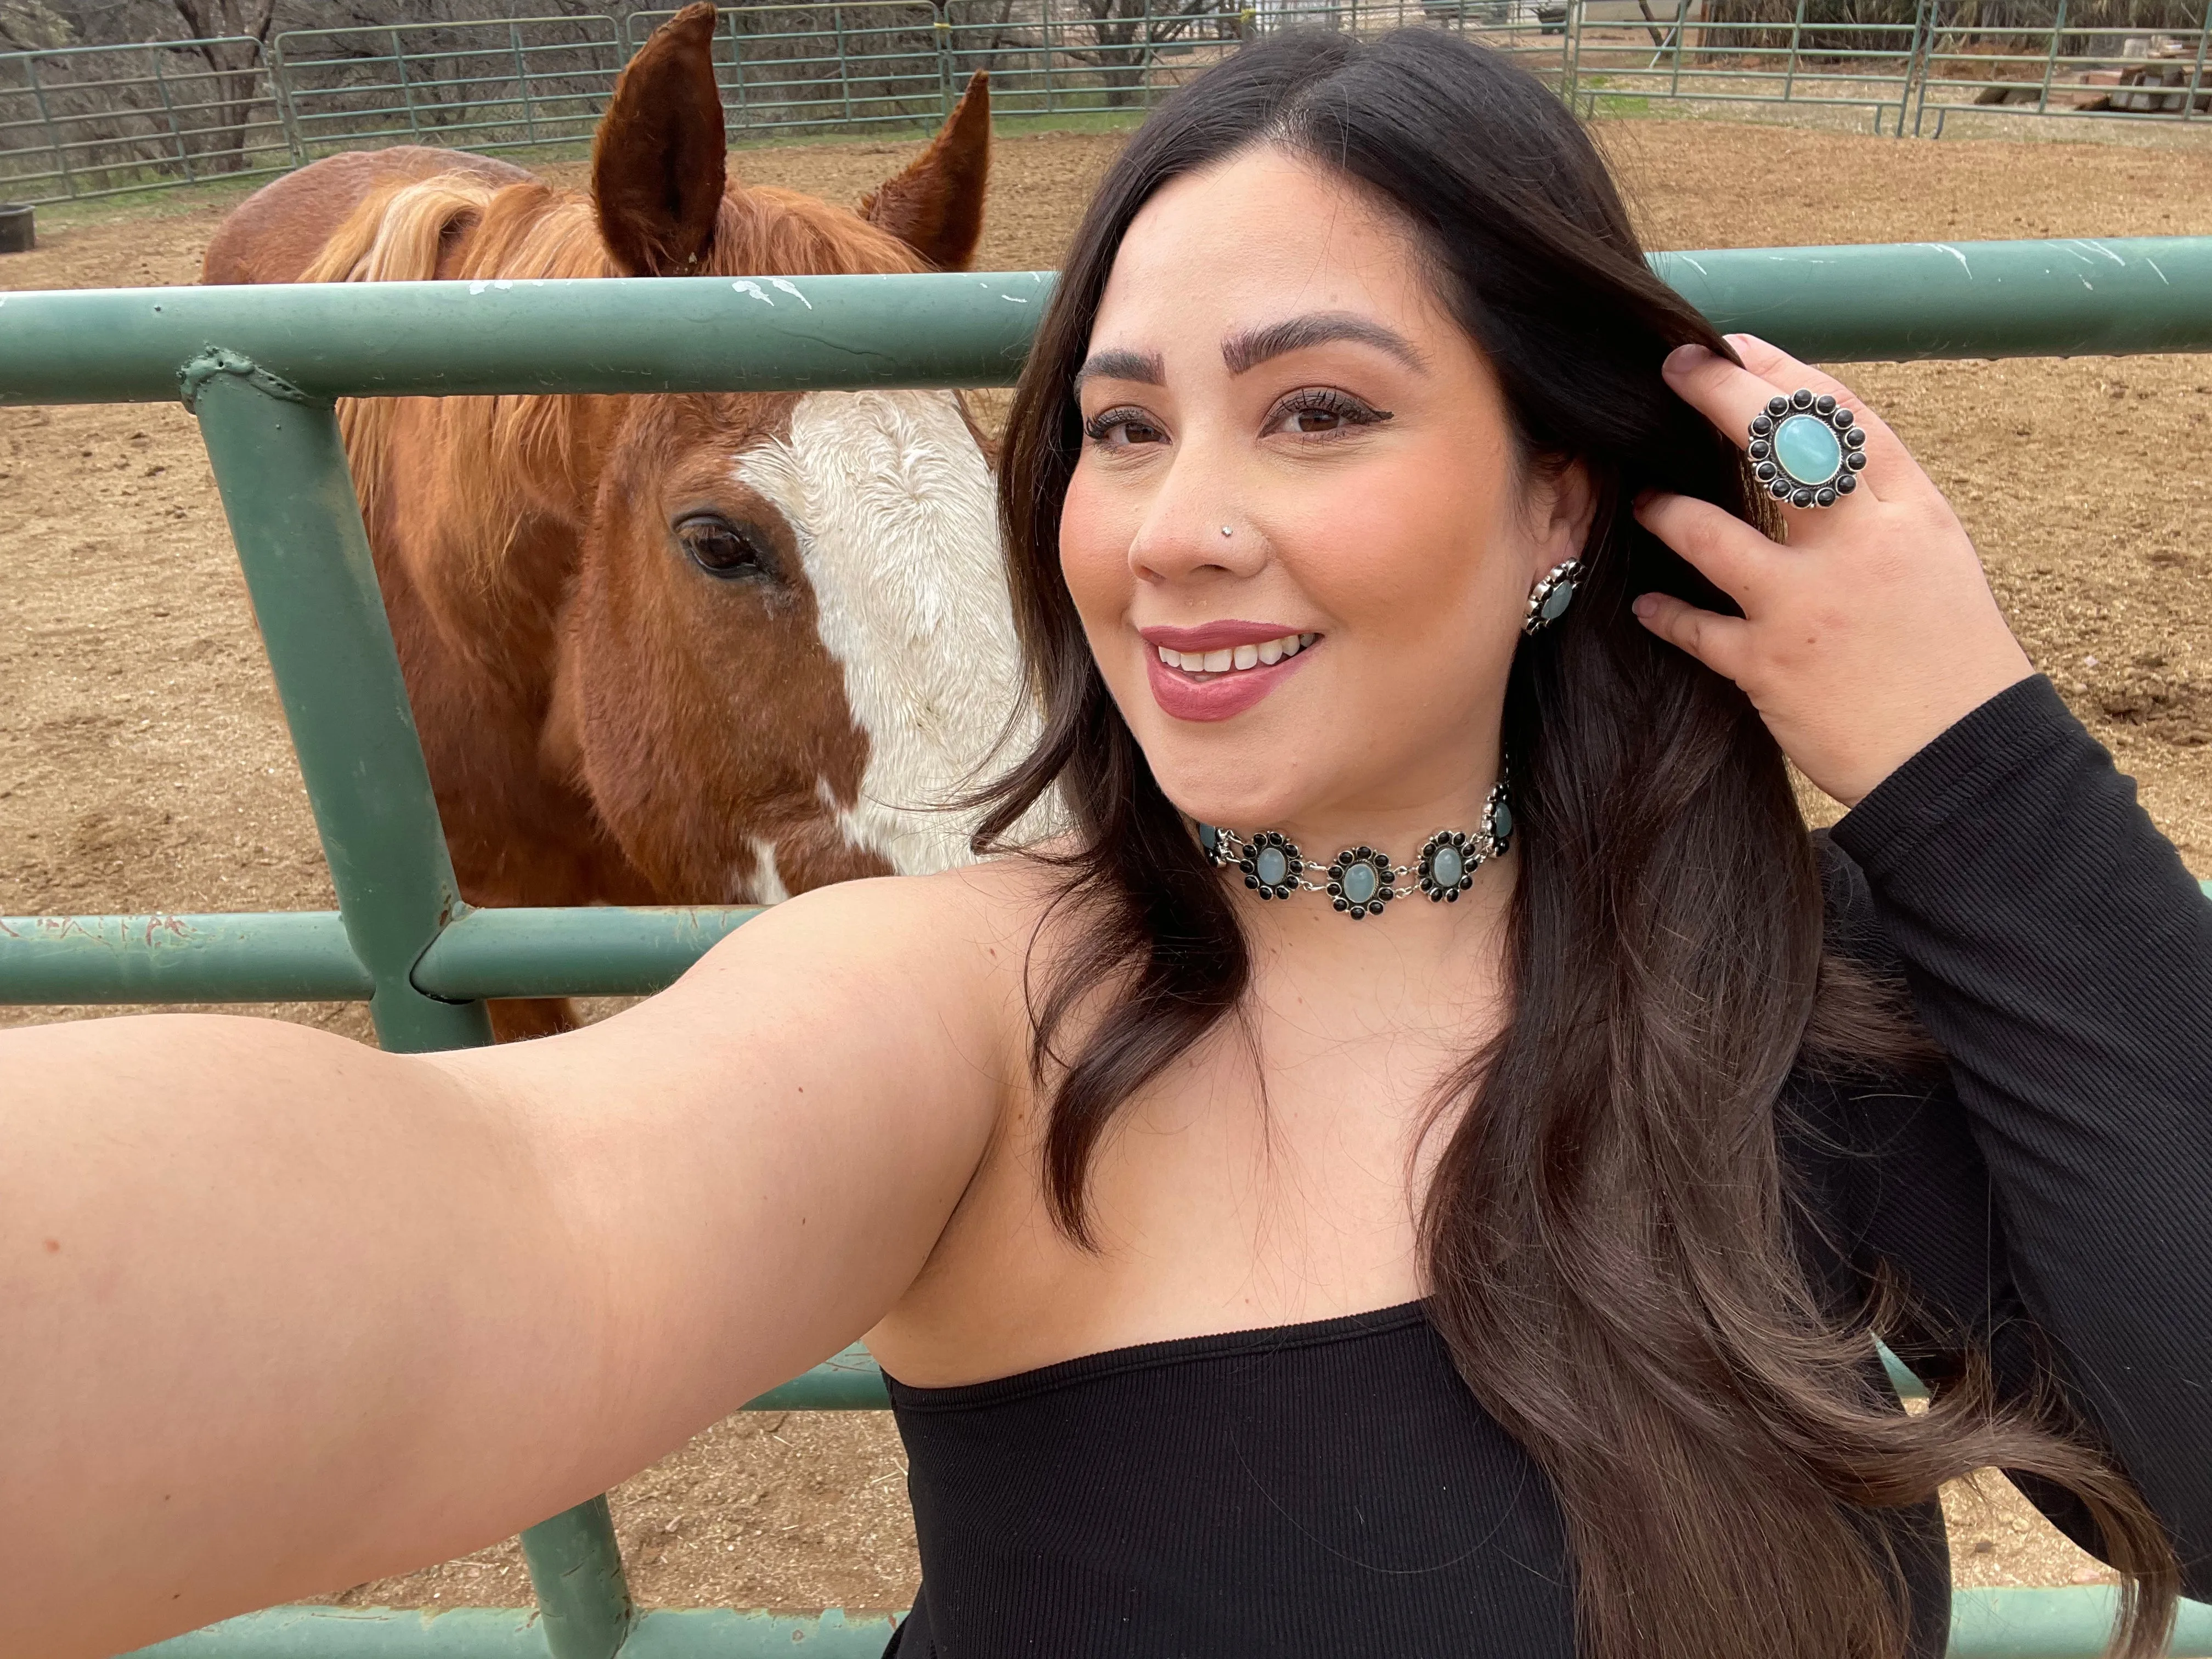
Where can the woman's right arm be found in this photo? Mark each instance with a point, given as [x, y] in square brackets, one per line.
[282, 1313]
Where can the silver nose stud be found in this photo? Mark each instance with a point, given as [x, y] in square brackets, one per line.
[1226, 530]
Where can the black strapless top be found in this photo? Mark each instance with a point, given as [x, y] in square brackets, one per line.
[1308, 1492]
[1332, 1490]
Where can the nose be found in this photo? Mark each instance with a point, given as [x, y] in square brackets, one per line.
[1192, 528]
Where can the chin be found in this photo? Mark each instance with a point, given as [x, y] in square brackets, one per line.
[1227, 790]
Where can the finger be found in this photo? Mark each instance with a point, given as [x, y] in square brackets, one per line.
[1733, 556]
[1736, 400]
[1719, 642]
[1888, 461]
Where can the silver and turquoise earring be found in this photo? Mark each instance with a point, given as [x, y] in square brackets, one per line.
[1549, 599]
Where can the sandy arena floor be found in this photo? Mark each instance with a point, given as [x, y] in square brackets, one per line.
[143, 762]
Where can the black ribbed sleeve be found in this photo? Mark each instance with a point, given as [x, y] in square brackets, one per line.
[2060, 956]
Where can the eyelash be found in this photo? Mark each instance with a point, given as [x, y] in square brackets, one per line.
[1097, 428]
[1323, 399]
[1329, 401]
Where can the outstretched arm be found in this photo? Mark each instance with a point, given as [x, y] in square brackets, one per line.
[282, 1313]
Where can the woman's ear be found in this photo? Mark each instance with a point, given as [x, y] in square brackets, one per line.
[1562, 502]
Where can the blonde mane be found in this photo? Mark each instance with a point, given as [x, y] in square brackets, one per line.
[508, 456]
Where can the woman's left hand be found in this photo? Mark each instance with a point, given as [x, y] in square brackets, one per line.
[1869, 631]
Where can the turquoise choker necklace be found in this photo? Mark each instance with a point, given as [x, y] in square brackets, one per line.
[1359, 881]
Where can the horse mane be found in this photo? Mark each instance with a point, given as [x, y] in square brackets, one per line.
[511, 455]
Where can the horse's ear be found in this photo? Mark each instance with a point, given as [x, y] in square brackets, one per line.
[657, 166]
[936, 206]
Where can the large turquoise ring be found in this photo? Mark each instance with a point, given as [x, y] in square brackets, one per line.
[1807, 450]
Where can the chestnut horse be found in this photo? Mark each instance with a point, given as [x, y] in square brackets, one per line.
[669, 649]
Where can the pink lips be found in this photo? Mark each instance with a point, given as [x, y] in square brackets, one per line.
[1215, 636]
[1221, 696]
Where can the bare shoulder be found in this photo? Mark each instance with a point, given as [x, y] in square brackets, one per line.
[904, 965]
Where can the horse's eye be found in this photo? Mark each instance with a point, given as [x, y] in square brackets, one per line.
[722, 549]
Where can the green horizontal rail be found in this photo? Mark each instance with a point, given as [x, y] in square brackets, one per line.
[1985, 1623]
[302, 955]
[593, 951]
[852, 1382]
[712, 333]
[603, 334]
[517, 1633]
[284, 956]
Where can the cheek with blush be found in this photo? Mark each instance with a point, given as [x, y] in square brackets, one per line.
[1096, 529]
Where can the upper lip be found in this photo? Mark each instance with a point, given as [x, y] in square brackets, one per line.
[1217, 635]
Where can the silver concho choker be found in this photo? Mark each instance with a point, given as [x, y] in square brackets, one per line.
[1359, 881]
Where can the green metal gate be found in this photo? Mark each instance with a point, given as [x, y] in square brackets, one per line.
[261, 367]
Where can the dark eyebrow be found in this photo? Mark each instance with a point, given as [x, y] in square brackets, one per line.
[1144, 369]
[1255, 346]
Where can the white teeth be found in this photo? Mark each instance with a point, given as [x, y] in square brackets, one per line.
[1238, 657]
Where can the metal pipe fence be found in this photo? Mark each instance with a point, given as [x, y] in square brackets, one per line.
[89, 121]
[79, 122]
[262, 367]
[508, 84]
[1904, 76]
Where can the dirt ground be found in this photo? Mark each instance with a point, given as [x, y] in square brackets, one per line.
[144, 762]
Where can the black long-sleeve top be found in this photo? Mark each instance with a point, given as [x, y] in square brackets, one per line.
[1315, 1490]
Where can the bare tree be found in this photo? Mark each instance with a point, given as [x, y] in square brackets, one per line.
[1127, 32]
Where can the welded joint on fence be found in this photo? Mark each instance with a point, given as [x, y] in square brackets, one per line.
[192, 379]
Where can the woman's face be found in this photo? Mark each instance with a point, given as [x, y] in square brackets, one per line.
[1298, 478]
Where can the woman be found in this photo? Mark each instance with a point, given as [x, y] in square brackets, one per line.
[1446, 1211]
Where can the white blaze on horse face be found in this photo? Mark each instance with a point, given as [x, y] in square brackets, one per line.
[892, 506]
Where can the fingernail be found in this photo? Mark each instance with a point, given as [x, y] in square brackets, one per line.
[1646, 607]
[1684, 358]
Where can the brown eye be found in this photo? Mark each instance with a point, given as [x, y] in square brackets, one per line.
[1323, 412]
[1121, 428]
[722, 549]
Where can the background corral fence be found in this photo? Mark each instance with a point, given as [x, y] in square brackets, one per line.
[95, 120]
[483, 85]
[262, 367]
[86, 121]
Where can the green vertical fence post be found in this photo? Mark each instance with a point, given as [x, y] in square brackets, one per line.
[576, 1567]
[280, 467]
[1926, 19]
[941, 31]
[176, 133]
[2050, 63]
[2196, 70]
[280, 93]
[522, 81]
[406, 86]
[46, 120]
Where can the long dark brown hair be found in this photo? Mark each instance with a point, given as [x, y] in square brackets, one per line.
[1607, 1240]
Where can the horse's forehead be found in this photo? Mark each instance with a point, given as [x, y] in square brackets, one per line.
[890, 500]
